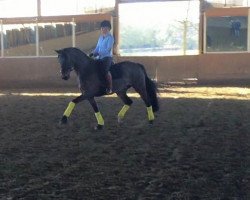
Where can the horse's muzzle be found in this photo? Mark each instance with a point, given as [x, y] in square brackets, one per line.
[65, 77]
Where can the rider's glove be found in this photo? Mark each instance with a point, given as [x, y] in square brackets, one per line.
[93, 54]
[96, 54]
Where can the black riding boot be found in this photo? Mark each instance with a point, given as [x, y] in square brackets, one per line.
[109, 83]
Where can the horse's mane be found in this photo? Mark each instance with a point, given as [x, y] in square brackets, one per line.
[95, 66]
[74, 50]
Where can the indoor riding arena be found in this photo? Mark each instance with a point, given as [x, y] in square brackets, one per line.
[195, 147]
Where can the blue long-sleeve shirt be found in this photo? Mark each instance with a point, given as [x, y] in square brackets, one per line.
[104, 46]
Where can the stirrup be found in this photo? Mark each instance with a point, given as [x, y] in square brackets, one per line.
[109, 91]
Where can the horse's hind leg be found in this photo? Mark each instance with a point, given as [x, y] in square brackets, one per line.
[127, 103]
[143, 93]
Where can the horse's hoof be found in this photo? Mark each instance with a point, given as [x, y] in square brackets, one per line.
[98, 127]
[150, 122]
[64, 120]
[119, 120]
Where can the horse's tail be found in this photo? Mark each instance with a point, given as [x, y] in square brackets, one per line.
[151, 91]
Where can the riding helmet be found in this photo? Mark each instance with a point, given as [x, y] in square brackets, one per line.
[106, 23]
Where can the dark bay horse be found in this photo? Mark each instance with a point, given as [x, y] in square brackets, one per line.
[92, 83]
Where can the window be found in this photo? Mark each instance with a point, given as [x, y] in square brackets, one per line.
[159, 28]
[74, 7]
[18, 8]
[87, 34]
[19, 40]
[28, 37]
[228, 3]
[28, 8]
[41, 39]
[54, 36]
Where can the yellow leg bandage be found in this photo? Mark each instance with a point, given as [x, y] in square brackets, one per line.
[150, 113]
[69, 109]
[99, 118]
[123, 111]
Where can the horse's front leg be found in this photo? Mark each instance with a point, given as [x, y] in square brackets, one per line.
[70, 108]
[98, 115]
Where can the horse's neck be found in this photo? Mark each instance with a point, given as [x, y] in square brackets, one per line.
[86, 69]
[81, 64]
[90, 77]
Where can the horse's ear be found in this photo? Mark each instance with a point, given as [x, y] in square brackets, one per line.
[58, 51]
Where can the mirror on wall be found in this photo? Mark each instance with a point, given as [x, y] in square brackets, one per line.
[226, 33]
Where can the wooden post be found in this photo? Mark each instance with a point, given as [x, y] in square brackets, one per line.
[116, 33]
[39, 8]
[201, 28]
[73, 32]
[37, 38]
[2, 41]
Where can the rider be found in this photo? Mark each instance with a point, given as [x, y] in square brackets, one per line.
[103, 51]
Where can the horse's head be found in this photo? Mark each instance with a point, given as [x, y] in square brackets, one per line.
[66, 64]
